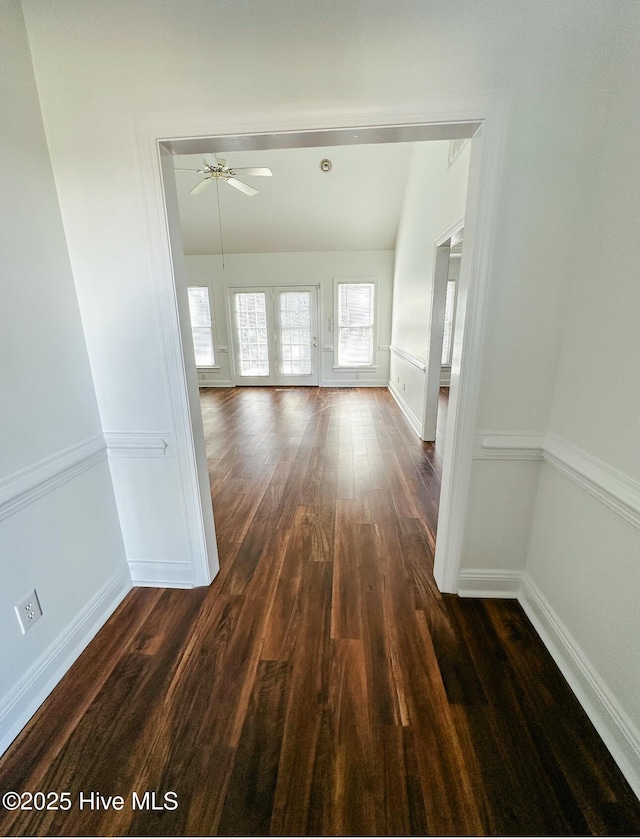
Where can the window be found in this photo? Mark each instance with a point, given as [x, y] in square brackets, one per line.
[449, 308]
[355, 333]
[201, 330]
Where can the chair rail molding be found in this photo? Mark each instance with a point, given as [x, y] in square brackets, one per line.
[506, 446]
[611, 487]
[616, 490]
[418, 363]
[29, 484]
[134, 444]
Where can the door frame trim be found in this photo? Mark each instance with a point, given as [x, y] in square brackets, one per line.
[434, 357]
[483, 117]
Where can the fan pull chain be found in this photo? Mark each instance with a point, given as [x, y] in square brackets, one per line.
[220, 222]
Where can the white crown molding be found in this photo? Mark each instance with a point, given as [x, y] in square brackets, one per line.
[412, 419]
[610, 720]
[26, 696]
[27, 485]
[419, 363]
[614, 489]
[133, 444]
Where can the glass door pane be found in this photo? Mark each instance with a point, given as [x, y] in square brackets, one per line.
[295, 333]
[252, 333]
[275, 335]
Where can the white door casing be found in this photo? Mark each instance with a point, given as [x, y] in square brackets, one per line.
[436, 330]
[482, 117]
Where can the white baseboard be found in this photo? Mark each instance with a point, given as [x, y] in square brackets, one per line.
[215, 383]
[413, 420]
[353, 383]
[159, 574]
[34, 687]
[483, 582]
[612, 724]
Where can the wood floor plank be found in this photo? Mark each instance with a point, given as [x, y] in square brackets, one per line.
[248, 805]
[346, 620]
[307, 697]
[356, 788]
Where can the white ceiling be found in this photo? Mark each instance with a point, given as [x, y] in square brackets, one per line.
[355, 206]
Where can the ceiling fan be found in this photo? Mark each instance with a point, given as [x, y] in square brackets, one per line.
[220, 170]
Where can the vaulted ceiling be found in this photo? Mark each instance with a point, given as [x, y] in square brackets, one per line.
[355, 206]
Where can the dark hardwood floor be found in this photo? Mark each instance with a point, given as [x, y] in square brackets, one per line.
[322, 684]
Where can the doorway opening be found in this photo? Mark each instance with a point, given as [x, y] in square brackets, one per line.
[469, 309]
[442, 325]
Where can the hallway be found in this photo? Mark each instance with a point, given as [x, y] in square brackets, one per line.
[322, 684]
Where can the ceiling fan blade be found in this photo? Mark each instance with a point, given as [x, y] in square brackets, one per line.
[179, 169]
[248, 190]
[199, 187]
[254, 171]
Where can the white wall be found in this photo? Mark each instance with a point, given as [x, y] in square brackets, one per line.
[101, 68]
[434, 199]
[273, 269]
[59, 531]
[585, 554]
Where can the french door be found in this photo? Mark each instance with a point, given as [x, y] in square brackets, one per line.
[275, 335]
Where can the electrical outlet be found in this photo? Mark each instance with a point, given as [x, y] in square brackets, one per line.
[28, 611]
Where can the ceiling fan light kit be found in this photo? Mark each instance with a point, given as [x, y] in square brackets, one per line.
[220, 170]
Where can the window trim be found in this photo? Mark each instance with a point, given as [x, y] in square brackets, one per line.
[216, 364]
[357, 368]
